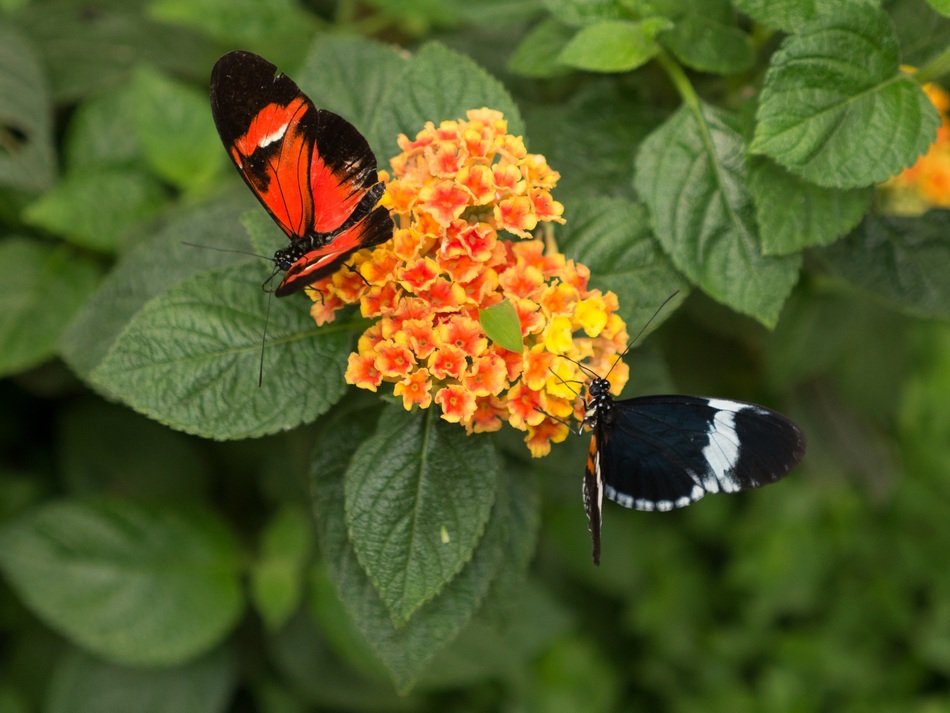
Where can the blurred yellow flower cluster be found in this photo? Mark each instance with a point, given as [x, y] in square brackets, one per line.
[926, 184]
[454, 189]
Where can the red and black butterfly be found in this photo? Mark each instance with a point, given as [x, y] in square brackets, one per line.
[310, 168]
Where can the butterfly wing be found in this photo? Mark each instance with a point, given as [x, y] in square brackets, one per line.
[311, 169]
[666, 452]
[375, 228]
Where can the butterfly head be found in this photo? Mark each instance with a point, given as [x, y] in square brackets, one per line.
[285, 257]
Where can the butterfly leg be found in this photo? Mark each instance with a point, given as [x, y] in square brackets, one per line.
[357, 273]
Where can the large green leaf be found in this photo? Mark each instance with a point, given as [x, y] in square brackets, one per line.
[96, 209]
[83, 684]
[691, 175]
[405, 651]
[836, 109]
[439, 84]
[904, 261]
[355, 77]
[786, 15]
[175, 131]
[135, 584]
[27, 160]
[385, 95]
[151, 267]
[101, 132]
[589, 140]
[612, 237]
[190, 358]
[794, 214]
[41, 288]
[419, 493]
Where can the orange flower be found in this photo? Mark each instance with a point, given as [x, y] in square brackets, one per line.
[457, 402]
[361, 370]
[393, 360]
[465, 196]
[415, 389]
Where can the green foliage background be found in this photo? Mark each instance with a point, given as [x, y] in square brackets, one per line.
[174, 538]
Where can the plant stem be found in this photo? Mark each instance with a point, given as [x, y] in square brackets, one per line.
[676, 74]
[934, 69]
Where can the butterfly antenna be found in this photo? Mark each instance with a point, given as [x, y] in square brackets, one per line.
[639, 334]
[226, 250]
[586, 369]
[260, 372]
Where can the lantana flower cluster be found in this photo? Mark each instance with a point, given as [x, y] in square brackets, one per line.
[926, 184]
[455, 190]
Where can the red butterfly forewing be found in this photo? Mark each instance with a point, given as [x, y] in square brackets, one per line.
[310, 168]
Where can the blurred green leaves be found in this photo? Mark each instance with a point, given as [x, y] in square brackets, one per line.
[91, 570]
[359, 551]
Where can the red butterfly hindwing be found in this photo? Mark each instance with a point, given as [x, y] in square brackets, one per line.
[310, 168]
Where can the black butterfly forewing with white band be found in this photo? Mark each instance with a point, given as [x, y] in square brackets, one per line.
[666, 452]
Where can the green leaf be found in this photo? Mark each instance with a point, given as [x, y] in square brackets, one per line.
[151, 267]
[304, 647]
[277, 575]
[612, 237]
[419, 493]
[108, 449]
[941, 6]
[96, 209]
[785, 15]
[491, 649]
[501, 325]
[922, 32]
[536, 54]
[355, 78]
[904, 261]
[101, 132]
[439, 84]
[705, 35]
[794, 214]
[614, 45]
[175, 130]
[137, 585]
[237, 22]
[405, 651]
[691, 176]
[589, 140]
[83, 684]
[71, 38]
[27, 161]
[578, 13]
[835, 108]
[190, 359]
[41, 288]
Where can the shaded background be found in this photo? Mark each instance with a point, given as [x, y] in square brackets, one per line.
[829, 591]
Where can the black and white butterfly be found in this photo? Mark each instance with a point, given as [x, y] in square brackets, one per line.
[659, 453]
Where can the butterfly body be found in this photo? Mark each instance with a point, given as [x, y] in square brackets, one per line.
[660, 453]
[310, 168]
